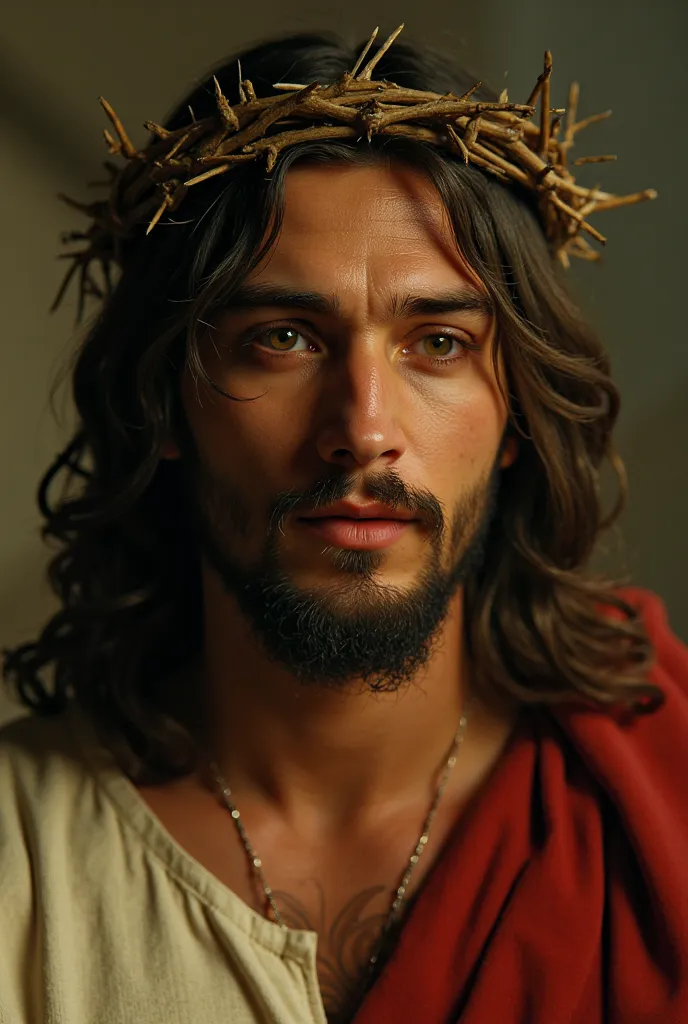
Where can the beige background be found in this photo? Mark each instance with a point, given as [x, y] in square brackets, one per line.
[55, 59]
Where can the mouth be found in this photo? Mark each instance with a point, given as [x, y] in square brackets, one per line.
[370, 534]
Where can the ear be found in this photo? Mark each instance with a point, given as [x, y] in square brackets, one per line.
[170, 451]
[510, 452]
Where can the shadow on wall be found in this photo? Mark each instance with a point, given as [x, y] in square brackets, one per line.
[42, 124]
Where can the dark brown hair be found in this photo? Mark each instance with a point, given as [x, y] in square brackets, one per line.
[127, 572]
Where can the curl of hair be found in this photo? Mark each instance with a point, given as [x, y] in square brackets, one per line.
[126, 572]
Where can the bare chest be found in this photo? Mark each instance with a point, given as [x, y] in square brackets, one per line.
[342, 890]
[343, 894]
[352, 940]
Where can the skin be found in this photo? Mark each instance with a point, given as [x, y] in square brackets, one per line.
[322, 766]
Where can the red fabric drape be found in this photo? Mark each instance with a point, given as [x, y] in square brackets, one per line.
[562, 896]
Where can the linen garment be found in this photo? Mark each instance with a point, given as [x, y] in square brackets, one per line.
[560, 897]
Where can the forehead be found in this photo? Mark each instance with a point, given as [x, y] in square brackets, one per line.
[370, 226]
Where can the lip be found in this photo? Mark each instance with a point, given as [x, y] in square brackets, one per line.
[358, 534]
[351, 510]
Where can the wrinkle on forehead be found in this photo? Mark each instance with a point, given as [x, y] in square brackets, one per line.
[364, 232]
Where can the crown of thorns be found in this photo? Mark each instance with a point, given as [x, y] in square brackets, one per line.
[499, 137]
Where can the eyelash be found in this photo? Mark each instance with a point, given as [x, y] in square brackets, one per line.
[466, 346]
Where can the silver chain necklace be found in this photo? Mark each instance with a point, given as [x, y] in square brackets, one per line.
[399, 893]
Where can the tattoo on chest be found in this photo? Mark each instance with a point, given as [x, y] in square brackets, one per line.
[345, 944]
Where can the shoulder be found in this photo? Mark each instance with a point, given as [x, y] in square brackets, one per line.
[641, 760]
[648, 750]
[32, 747]
[42, 774]
[38, 773]
[670, 669]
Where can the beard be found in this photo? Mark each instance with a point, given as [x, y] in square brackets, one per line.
[357, 629]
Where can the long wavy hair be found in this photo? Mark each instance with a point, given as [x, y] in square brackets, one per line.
[127, 573]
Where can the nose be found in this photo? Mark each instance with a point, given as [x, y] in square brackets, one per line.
[359, 419]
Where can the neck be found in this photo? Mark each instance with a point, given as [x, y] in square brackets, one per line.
[323, 754]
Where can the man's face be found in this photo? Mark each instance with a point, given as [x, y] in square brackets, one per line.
[361, 397]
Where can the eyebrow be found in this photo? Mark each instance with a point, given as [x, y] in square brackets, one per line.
[460, 300]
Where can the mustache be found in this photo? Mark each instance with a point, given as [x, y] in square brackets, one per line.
[387, 489]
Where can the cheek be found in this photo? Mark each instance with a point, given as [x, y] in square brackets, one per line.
[458, 442]
[238, 434]
[459, 424]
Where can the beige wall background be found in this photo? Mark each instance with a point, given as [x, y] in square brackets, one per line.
[55, 60]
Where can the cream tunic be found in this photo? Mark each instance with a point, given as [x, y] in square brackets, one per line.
[105, 919]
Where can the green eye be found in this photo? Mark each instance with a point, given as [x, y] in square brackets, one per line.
[440, 344]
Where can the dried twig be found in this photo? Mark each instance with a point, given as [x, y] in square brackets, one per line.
[462, 147]
[593, 119]
[499, 138]
[366, 74]
[615, 202]
[593, 160]
[128, 149]
[545, 100]
[229, 119]
[364, 52]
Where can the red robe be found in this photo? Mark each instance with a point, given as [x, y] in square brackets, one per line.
[562, 895]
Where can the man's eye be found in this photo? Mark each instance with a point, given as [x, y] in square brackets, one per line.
[278, 339]
[439, 344]
[443, 347]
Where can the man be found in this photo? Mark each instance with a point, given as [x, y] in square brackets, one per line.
[340, 726]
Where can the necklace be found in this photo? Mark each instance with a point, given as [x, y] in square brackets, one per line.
[399, 893]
